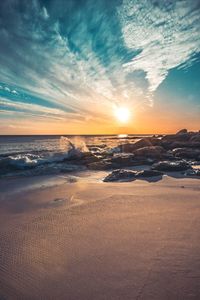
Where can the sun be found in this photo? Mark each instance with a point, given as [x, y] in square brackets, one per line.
[122, 114]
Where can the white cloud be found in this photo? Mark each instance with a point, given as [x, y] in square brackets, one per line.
[167, 35]
[45, 13]
[31, 108]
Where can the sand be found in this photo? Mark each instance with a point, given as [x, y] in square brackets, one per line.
[92, 240]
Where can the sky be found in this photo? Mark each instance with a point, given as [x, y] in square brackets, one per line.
[66, 66]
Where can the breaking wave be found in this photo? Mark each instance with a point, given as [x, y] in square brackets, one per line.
[69, 150]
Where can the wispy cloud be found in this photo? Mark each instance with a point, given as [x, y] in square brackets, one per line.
[165, 32]
[79, 59]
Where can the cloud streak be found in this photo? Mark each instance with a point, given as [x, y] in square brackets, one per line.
[165, 32]
[77, 60]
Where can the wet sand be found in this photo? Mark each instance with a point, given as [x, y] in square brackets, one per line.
[92, 240]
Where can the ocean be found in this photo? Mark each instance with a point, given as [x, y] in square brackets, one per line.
[45, 154]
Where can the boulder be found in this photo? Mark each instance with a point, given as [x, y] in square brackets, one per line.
[181, 139]
[101, 165]
[193, 172]
[89, 159]
[120, 175]
[195, 138]
[182, 131]
[171, 166]
[90, 146]
[145, 142]
[148, 173]
[123, 159]
[188, 153]
[155, 152]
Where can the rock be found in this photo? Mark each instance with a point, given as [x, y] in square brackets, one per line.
[155, 152]
[182, 131]
[171, 166]
[193, 172]
[188, 153]
[148, 173]
[120, 175]
[95, 149]
[101, 165]
[181, 139]
[114, 150]
[175, 141]
[123, 159]
[90, 146]
[195, 138]
[145, 142]
[89, 159]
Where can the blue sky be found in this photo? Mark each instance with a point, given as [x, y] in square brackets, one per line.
[66, 65]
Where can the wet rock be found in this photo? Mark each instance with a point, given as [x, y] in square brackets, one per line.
[95, 149]
[155, 152]
[120, 175]
[90, 146]
[181, 139]
[86, 158]
[148, 173]
[114, 150]
[195, 138]
[193, 172]
[171, 166]
[188, 153]
[101, 165]
[145, 142]
[123, 159]
[182, 131]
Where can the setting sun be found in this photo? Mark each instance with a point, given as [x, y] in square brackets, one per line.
[122, 114]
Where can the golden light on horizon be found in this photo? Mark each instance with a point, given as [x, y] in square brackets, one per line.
[122, 114]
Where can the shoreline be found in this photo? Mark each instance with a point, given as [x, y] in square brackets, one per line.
[94, 240]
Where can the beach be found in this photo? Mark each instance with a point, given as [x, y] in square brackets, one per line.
[100, 150]
[76, 237]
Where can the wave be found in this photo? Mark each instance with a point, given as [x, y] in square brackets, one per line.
[70, 150]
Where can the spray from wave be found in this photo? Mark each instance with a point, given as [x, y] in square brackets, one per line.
[70, 149]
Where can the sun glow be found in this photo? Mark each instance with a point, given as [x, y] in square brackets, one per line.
[122, 114]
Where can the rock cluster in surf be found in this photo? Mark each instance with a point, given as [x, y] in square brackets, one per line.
[169, 153]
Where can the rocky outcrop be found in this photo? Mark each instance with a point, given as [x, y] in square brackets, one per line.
[123, 159]
[181, 139]
[145, 142]
[100, 165]
[182, 131]
[154, 152]
[193, 172]
[120, 175]
[188, 153]
[148, 173]
[129, 175]
[171, 166]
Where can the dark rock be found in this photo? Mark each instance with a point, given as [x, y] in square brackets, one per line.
[148, 173]
[90, 146]
[155, 152]
[171, 166]
[120, 175]
[193, 172]
[114, 150]
[186, 153]
[182, 131]
[195, 138]
[95, 149]
[123, 159]
[182, 139]
[101, 165]
[145, 142]
[177, 144]
[90, 159]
